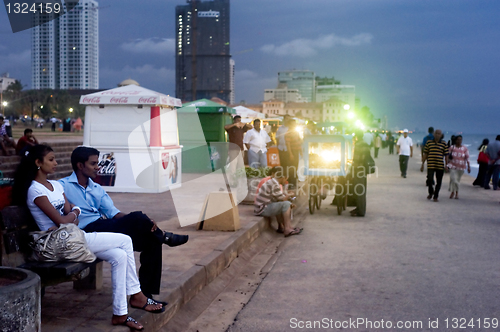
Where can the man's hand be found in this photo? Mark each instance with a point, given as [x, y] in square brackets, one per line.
[422, 167]
[155, 227]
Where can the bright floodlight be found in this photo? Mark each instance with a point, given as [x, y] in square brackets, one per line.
[347, 107]
[350, 115]
[5, 103]
[71, 110]
[360, 124]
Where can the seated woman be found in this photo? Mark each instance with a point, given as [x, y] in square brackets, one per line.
[50, 208]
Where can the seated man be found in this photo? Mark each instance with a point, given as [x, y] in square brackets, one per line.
[26, 141]
[5, 139]
[100, 215]
[271, 201]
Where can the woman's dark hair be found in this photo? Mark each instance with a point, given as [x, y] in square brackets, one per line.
[26, 172]
[485, 142]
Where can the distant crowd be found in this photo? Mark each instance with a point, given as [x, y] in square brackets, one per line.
[28, 139]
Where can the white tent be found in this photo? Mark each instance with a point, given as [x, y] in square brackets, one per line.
[247, 113]
[129, 95]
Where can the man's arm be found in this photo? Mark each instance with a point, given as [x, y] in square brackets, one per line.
[119, 215]
[411, 151]
[229, 126]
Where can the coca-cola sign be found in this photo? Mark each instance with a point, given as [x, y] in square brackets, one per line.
[165, 159]
[116, 100]
[145, 100]
[91, 100]
[121, 93]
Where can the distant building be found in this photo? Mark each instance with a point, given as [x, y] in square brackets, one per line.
[204, 28]
[5, 81]
[346, 93]
[302, 80]
[331, 110]
[65, 51]
[284, 94]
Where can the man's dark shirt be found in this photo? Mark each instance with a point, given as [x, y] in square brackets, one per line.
[235, 135]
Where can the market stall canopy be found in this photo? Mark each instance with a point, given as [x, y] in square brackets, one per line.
[248, 113]
[205, 106]
[129, 95]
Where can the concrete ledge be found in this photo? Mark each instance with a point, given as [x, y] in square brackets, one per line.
[192, 282]
[205, 271]
[214, 264]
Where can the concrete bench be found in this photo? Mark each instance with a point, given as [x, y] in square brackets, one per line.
[15, 224]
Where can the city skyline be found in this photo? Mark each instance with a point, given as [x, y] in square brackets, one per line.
[420, 63]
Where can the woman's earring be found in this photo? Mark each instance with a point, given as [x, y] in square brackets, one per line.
[38, 167]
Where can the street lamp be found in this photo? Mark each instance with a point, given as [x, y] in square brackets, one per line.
[71, 110]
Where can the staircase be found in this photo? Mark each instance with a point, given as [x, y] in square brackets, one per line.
[62, 150]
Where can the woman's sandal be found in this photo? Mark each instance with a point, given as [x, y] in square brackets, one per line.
[152, 302]
[129, 322]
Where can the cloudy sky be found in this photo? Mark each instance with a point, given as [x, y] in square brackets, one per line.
[419, 62]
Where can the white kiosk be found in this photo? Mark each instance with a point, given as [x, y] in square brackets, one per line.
[135, 129]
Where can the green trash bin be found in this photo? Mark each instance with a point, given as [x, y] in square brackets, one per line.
[201, 123]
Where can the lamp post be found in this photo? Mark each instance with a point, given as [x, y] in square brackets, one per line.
[4, 104]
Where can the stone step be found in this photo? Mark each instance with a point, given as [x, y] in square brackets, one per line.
[60, 169]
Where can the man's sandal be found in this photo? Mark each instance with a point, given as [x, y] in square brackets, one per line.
[130, 322]
[152, 302]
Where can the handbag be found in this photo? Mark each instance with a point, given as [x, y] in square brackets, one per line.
[65, 243]
[483, 158]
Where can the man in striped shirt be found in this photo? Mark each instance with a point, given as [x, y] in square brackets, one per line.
[434, 152]
[271, 201]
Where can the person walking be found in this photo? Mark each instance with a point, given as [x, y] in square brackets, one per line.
[377, 143]
[390, 142]
[482, 160]
[256, 140]
[493, 151]
[405, 151]
[458, 162]
[434, 152]
[428, 137]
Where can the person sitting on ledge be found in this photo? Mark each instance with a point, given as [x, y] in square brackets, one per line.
[100, 215]
[271, 201]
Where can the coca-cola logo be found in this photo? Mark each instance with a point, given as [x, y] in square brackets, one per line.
[126, 93]
[91, 100]
[107, 165]
[150, 100]
[122, 100]
[164, 159]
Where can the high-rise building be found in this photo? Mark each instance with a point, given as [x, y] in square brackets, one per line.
[65, 51]
[302, 80]
[202, 48]
[231, 81]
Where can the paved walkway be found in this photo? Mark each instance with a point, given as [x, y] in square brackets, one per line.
[409, 259]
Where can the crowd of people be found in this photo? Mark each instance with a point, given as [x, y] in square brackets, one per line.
[28, 139]
[450, 156]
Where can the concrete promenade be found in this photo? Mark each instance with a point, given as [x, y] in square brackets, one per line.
[408, 260]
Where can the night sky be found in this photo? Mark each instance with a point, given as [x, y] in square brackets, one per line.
[418, 62]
